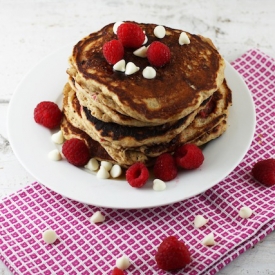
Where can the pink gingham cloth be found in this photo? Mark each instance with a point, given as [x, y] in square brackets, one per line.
[86, 248]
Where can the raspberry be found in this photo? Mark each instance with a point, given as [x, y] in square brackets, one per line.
[264, 172]
[165, 167]
[113, 51]
[158, 54]
[117, 271]
[76, 151]
[208, 109]
[189, 156]
[130, 35]
[137, 175]
[47, 114]
[172, 254]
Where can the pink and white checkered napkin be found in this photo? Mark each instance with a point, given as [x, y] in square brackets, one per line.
[85, 248]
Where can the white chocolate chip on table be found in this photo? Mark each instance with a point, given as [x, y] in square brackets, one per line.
[49, 236]
[200, 221]
[209, 239]
[97, 217]
[123, 262]
[245, 212]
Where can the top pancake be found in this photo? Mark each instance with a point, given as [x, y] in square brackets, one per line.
[194, 73]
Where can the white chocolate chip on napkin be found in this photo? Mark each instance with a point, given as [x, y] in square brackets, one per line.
[200, 221]
[97, 217]
[209, 239]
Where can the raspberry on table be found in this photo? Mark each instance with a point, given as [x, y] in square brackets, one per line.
[189, 156]
[165, 167]
[158, 54]
[137, 174]
[76, 152]
[131, 35]
[117, 271]
[113, 51]
[264, 172]
[172, 254]
[48, 114]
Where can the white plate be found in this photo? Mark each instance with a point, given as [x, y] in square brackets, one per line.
[32, 142]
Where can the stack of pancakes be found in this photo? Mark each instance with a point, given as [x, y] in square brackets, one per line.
[128, 118]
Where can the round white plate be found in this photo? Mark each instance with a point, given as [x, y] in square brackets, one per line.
[32, 143]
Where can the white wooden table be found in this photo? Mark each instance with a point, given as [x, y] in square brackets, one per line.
[34, 28]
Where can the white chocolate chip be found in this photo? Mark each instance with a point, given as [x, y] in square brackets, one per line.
[49, 236]
[184, 39]
[245, 212]
[200, 221]
[106, 164]
[208, 240]
[54, 155]
[120, 66]
[97, 217]
[131, 68]
[141, 52]
[116, 171]
[159, 185]
[145, 40]
[159, 31]
[123, 262]
[102, 173]
[149, 72]
[92, 164]
[58, 137]
[116, 25]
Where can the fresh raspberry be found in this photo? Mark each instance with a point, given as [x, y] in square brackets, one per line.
[165, 167]
[117, 271]
[264, 172]
[158, 54]
[208, 109]
[172, 254]
[130, 35]
[137, 174]
[113, 51]
[76, 151]
[189, 156]
[47, 114]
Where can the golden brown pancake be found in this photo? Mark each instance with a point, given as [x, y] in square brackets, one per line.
[208, 124]
[193, 74]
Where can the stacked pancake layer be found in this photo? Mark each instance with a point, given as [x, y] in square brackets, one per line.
[128, 118]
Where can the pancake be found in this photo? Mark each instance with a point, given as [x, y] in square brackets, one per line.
[126, 158]
[209, 123]
[121, 135]
[193, 74]
[102, 111]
